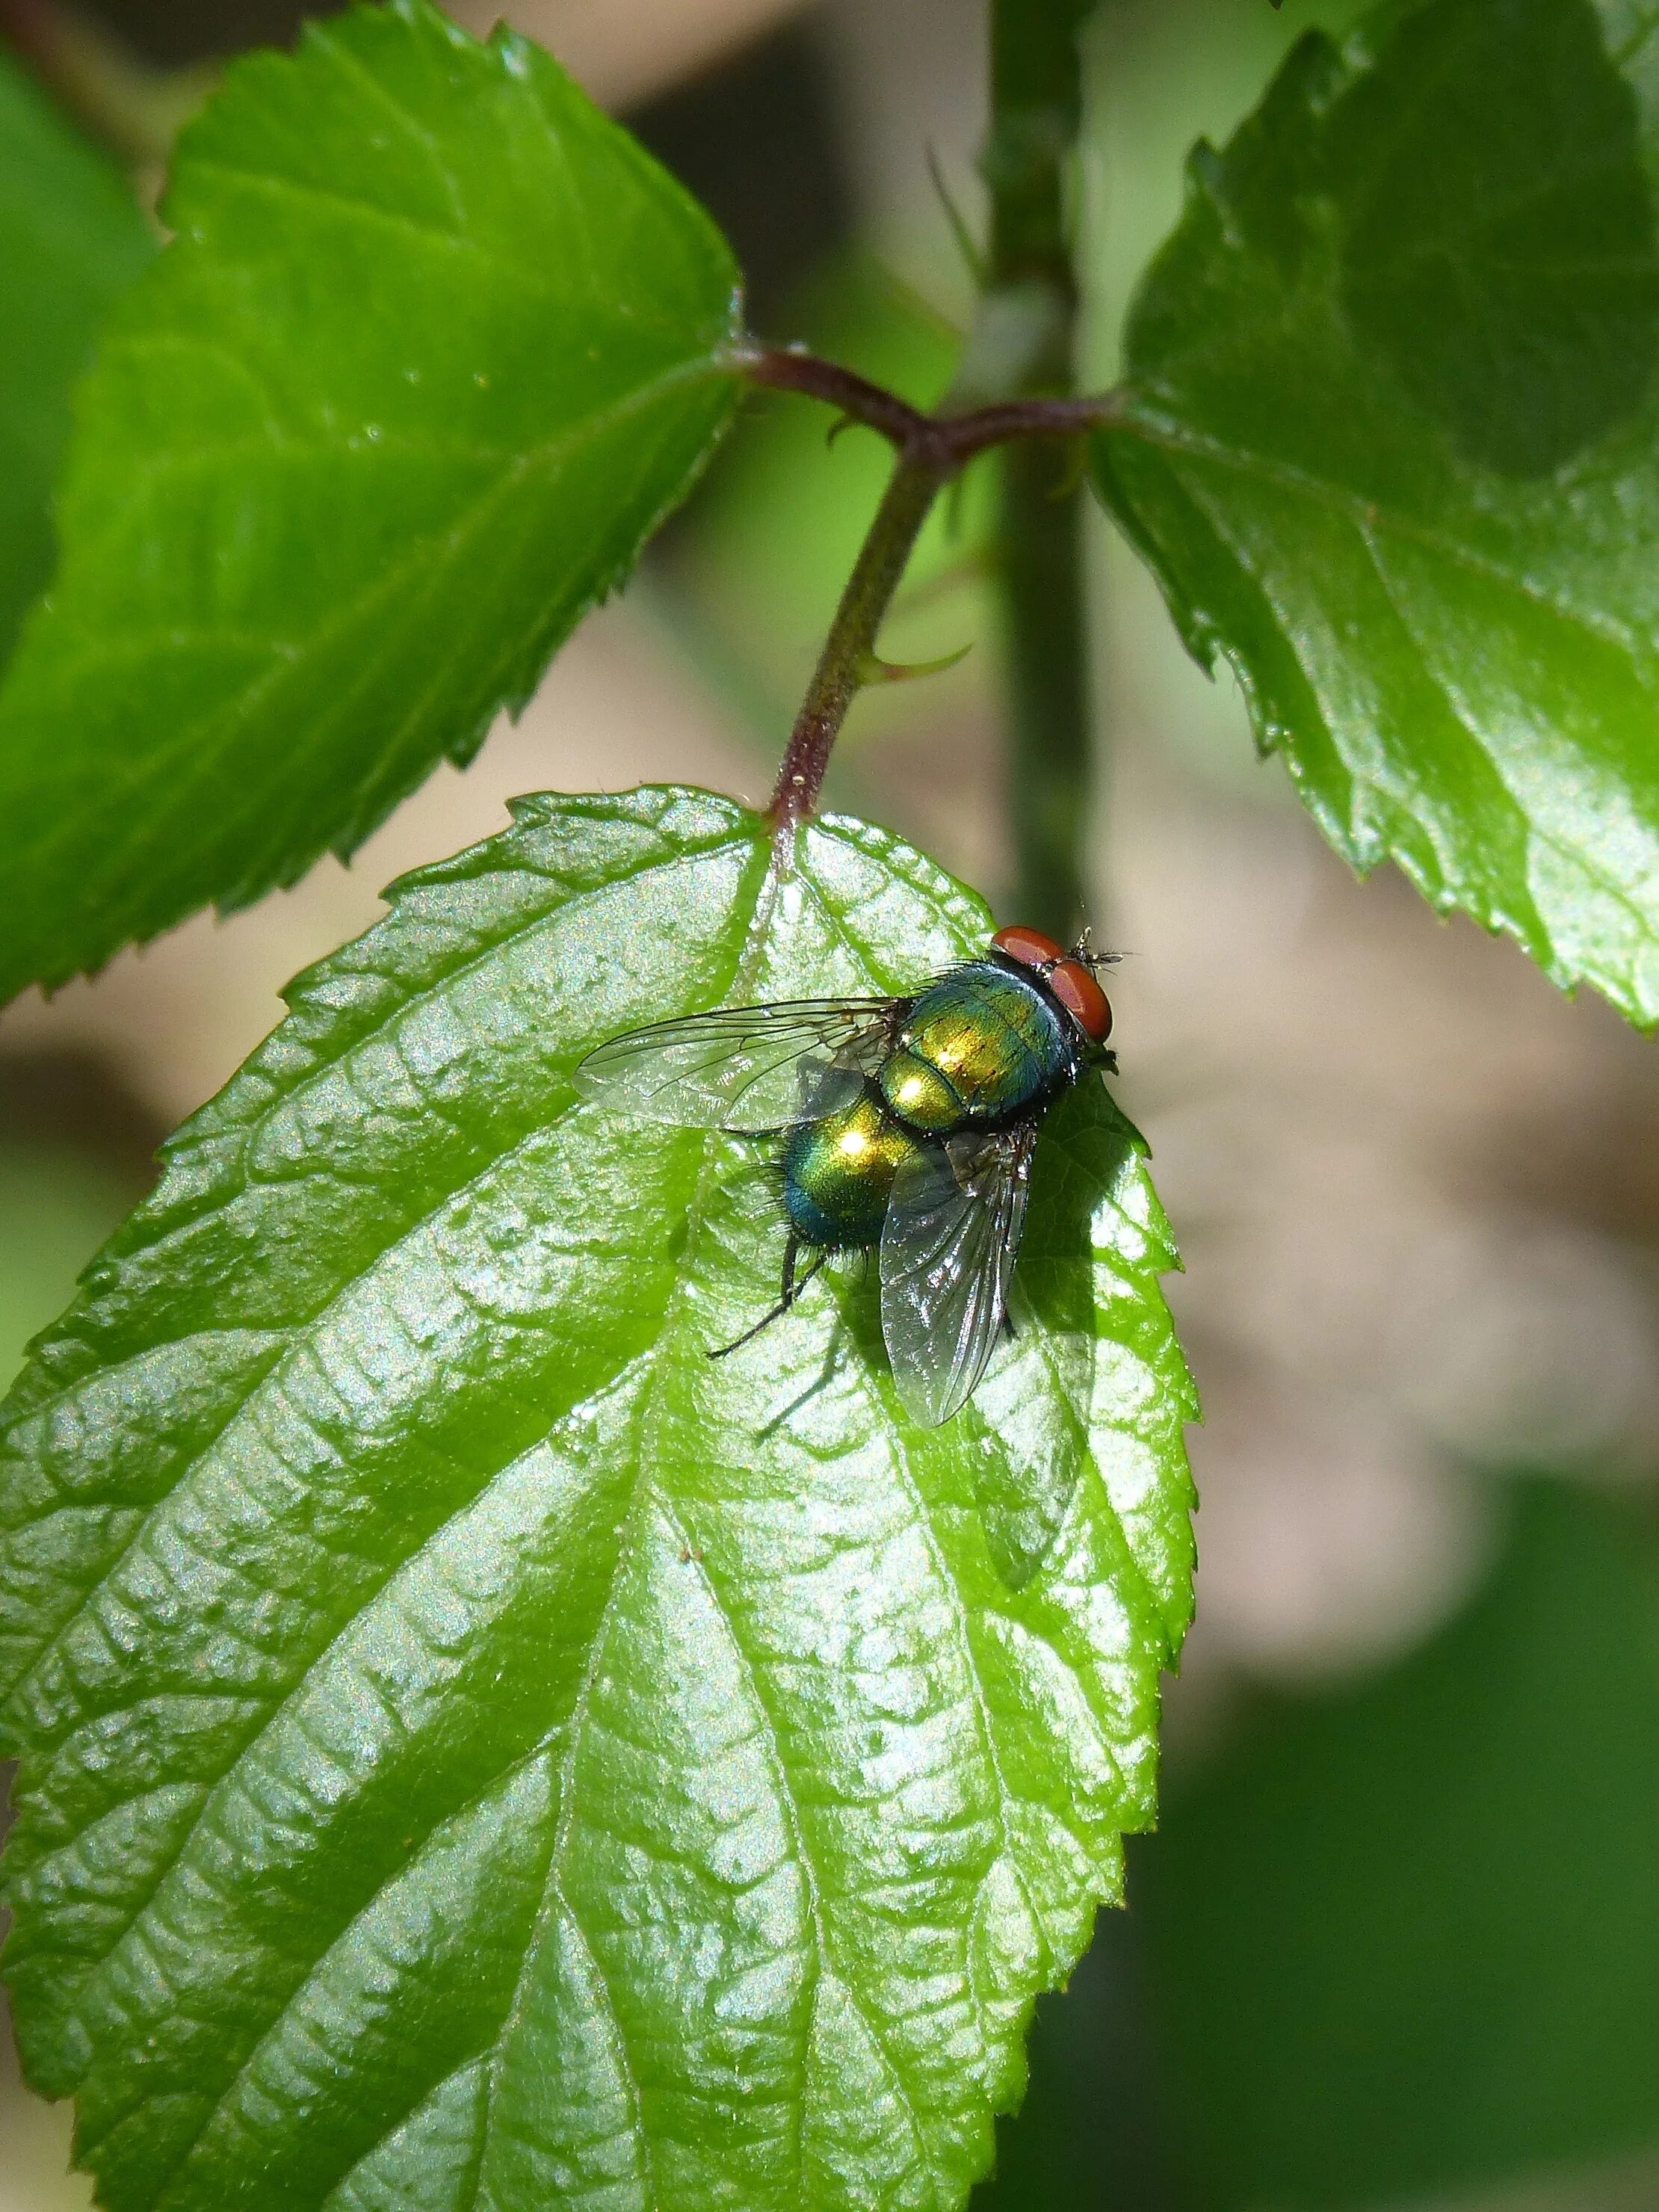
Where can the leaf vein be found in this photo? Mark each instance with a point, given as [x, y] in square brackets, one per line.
[223, 720]
[1181, 438]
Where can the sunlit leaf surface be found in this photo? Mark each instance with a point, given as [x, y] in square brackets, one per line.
[1394, 453]
[478, 1750]
[435, 349]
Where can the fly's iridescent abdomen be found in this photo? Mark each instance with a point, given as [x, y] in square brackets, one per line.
[838, 1173]
[981, 1046]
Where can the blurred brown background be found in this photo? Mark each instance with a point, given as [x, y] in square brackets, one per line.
[1418, 1190]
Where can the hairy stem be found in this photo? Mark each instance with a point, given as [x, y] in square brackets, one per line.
[844, 665]
[1035, 107]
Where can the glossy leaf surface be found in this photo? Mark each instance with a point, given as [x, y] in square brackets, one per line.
[71, 238]
[435, 347]
[479, 1751]
[1394, 453]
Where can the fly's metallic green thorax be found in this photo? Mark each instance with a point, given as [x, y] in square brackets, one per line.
[838, 1173]
[981, 1046]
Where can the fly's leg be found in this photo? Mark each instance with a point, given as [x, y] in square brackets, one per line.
[794, 1285]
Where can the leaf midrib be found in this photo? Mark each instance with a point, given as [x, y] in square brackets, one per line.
[646, 1491]
[648, 1356]
[744, 970]
[1177, 436]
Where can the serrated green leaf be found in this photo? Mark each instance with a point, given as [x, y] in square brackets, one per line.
[71, 238]
[57, 1204]
[1394, 451]
[480, 1751]
[436, 347]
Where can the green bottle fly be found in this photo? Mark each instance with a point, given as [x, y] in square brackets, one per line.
[909, 1124]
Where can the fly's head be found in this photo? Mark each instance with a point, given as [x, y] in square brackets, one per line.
[1069, 979]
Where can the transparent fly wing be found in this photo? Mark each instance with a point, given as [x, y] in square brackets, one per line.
[743, 1069]
[948, 1249]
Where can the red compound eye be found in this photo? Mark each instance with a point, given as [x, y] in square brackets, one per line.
[1028, 946]
[1082, 998]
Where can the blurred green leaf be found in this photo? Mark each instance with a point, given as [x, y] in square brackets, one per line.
[1407, 1938]
[56, 1206]
[71, 238]
[479, 1751]
[1087, 2136]
[435, 347]
[1394, 451]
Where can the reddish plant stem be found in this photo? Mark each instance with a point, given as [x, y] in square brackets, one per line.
[955, 438]
[840, 673]
[931, 449]
[782, 370]
[1010, 420]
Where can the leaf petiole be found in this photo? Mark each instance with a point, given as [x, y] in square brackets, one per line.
[931, 449]
[956, 437]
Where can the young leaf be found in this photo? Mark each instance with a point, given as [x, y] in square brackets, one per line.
[71, 238]
[435, 348]
[478, 1750]
[1394, 452]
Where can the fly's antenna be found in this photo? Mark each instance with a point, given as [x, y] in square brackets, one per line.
[1084, 952]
